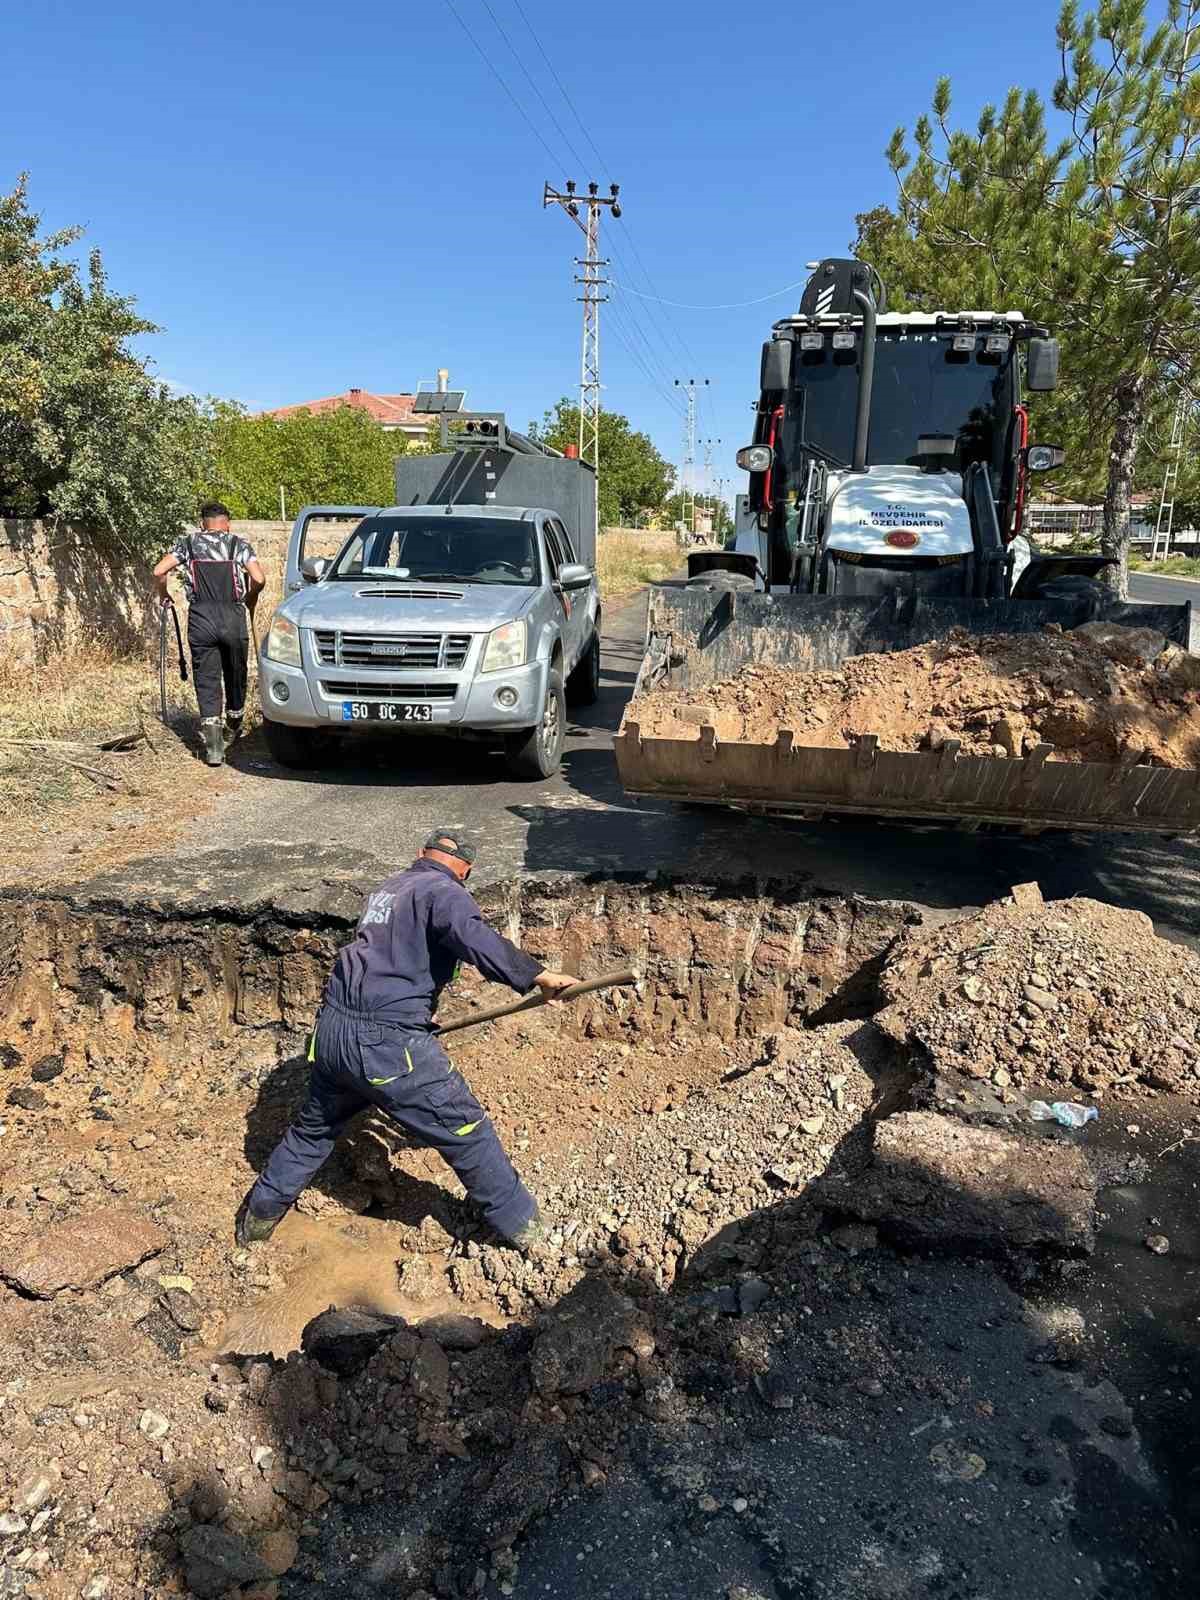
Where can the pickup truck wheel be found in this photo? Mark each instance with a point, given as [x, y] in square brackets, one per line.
[537, 752]
[297, 747]
[583, 686]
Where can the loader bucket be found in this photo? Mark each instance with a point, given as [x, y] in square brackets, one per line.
[699, 635]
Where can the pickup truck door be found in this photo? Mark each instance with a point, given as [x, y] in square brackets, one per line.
[573, 602]
[319, 531]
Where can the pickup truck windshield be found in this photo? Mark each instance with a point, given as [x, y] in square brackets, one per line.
[441, 549]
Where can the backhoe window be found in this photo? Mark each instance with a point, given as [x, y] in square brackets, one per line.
[922, 385]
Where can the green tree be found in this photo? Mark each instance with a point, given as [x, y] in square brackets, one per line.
[86, 433]
[634, 478]
[677, 507]
[338, 457]
[1097, 235]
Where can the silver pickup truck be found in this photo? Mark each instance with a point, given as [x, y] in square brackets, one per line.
[464, 617]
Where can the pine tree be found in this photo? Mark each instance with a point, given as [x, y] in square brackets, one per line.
[1098, 235]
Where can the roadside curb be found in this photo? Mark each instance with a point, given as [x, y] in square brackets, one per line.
[1161, 577]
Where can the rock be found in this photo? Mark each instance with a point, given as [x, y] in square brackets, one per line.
[1158, 1243]
[11, 1523]
[454, 1331]
[973, 989]
[215, 1561]
[812, 1125]
[344, 1341]
[143, 1141]
[262, 1456]
[10, 1057]
[154, 1425]
[739, 1504]
[95, 1588]
[1130, 645]
[182, 1309]
[855, 1236]
[47, 1069]
[36, 1489]
[869, 1386]
[708, 1505]
[751, 1294]
[278, 1551]
[80, 1252]
[27, 1098]
[935, 1180]
[430, 1373]
[577, 1350]
[520, 1491]
[953, 1463]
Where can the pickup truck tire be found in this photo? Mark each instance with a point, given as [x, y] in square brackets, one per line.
[583, 686]
[297, 747]
[537, 752]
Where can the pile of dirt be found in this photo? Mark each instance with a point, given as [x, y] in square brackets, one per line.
[1071, 994]
[1097, 693]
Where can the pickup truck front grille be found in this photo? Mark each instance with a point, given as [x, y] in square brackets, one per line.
[385, 689]
[421, 652]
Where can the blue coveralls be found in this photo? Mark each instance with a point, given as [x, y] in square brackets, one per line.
[373, 1044]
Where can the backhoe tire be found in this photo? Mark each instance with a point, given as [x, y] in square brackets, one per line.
[583, 686]
[537, 752]
[1090, 593]
[299, 748]
[740, 581]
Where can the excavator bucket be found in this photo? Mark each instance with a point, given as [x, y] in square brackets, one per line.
[699, 635]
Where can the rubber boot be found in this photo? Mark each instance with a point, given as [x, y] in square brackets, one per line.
[248, 1228]
[233, 727]
[214, 743]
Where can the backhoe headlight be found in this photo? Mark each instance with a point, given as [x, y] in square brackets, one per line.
[505, 648]
[283, 642]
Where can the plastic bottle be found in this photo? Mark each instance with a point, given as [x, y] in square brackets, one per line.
[1068, 1112]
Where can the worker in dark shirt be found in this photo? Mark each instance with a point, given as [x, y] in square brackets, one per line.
[374, 1045]
[223, 579]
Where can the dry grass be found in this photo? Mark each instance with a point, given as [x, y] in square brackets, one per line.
[1168, 567]
[80, 696]
[626, 558]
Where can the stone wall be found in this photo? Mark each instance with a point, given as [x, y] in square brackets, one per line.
[59, 585]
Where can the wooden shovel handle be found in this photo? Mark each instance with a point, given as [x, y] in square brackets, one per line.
[532, 1001]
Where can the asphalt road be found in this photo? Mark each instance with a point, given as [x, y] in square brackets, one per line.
[382, 799]
[1163, 591]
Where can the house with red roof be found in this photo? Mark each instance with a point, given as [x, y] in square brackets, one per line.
[393, 412]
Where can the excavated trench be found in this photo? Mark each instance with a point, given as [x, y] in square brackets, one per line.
[151, 1052]
[156, 1051]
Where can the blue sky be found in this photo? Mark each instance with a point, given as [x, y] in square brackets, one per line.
[309, 197]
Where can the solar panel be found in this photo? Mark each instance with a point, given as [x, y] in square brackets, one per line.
[432, 402]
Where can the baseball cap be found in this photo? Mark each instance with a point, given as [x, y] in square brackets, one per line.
[451, 843]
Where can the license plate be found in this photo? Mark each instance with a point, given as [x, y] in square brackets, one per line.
[385, 711]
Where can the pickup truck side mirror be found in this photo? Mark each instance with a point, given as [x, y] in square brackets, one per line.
[313, 568]
[574, 575]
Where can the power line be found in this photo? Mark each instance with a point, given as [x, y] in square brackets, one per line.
[562, 133]
[487, 61]
[613, 249]
[728, 305]
[562, 88]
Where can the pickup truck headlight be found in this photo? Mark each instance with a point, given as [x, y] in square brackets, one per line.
[283, 642]
[505, 648]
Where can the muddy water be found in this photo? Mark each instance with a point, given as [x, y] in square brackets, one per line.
[328, 1264]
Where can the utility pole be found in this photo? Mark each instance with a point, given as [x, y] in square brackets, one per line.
[689, 452]
[1165, 521]
[593, 281]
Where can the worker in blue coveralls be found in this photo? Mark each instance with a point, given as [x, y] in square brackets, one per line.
[373, 1044]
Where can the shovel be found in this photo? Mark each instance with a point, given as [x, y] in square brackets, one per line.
[610, 980]
[168, 605]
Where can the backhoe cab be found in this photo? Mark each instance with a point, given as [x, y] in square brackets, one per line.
[891, 451]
